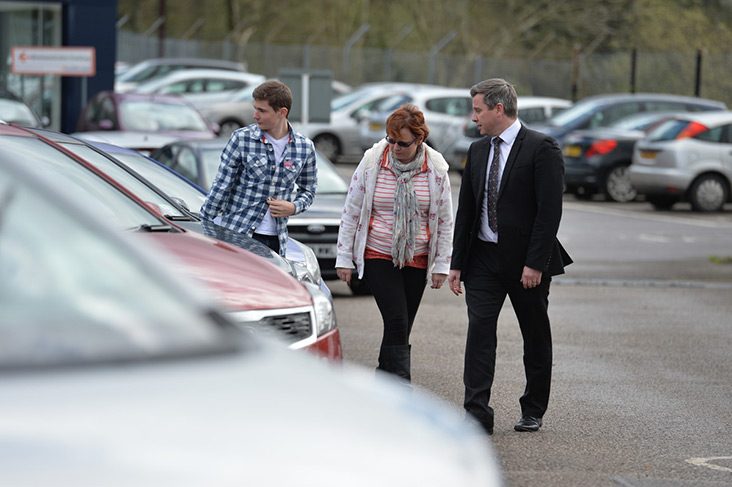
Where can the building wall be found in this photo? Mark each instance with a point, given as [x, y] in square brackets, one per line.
[85, 23]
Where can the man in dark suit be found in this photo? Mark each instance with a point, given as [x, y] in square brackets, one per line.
[506, 243]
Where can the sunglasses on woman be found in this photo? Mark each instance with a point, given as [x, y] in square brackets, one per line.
[400, 143]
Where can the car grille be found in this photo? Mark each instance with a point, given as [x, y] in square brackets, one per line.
[294, 327]
[288, 325]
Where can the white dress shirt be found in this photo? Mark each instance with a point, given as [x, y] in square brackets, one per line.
[508, 137]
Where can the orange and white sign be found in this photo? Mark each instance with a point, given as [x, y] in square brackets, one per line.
[59, 61]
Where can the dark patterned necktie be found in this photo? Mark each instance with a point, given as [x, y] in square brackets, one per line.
[493, 186]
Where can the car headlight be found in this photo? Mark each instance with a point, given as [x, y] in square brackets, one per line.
[325, 318]
[308, 265]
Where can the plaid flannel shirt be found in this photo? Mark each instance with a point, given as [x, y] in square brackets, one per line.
[248, 175]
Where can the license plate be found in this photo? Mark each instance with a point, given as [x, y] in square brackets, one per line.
[325, 250]
[572, 151]
[375, 127]
[648, 154]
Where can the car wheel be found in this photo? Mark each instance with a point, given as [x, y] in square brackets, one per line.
[617, 185]
[662, 203]
[228, 126]
[327, 145]
[708, 193]
[359, 287]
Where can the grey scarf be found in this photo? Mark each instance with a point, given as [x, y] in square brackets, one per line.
[406, 208]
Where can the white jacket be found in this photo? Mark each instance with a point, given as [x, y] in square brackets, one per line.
[357, 212]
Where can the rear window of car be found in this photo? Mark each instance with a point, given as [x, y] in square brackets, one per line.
[667, 130]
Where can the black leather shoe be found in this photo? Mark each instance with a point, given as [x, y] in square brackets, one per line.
[487, 428]
[528, 423]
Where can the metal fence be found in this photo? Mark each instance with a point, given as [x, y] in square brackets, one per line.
[686, 73]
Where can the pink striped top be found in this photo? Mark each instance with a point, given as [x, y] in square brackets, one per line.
[381, 227]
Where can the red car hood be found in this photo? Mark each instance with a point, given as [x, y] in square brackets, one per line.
[239, 279]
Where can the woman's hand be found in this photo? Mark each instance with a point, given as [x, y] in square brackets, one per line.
[438, 280]
[344, 275]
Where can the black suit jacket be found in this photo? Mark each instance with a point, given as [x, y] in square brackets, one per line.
[529, 205]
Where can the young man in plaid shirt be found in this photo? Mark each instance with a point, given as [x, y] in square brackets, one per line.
[267, 172]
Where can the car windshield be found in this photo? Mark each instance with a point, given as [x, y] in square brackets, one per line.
[95, 193]
[164, 179]
[575, 112]
[70, 293]
[129, 181]
[342, 101]
[140, 72]
[16, 112]
[156, 116]
[329, 179]
[391, 103]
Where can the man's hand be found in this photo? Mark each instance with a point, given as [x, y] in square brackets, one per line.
[530, 278]
[454, 282]
[280, 208]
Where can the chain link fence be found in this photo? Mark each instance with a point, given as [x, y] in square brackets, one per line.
[584, 75]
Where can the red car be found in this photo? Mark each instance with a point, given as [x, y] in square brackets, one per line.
[257, 295]
[142, 121]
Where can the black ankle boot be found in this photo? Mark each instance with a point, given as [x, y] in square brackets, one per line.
[396, 359]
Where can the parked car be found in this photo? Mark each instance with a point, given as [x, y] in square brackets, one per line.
[443, 108]
[150, 69]
[687, 158]
[537, 109]
[146, 121]
[342, 135]
[317, 227]
[531, 110]
[14, 109]
[258, 296]
[113, 371]
[195, 160]
[231, 114]
[201, 87]
[238, 110]
[154, 183]
[602, 110]
[598, 159]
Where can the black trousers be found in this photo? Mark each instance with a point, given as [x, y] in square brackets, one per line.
[271, 241]
[486, 288]
[398, 293]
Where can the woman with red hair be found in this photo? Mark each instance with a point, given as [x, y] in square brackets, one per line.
[396, 229]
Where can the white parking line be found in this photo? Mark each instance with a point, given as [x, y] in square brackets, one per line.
[706, 462]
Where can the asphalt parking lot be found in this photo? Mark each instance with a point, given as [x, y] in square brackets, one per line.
[642, 353]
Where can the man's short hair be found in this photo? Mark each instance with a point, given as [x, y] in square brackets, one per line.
[276, 93]
[495, 91]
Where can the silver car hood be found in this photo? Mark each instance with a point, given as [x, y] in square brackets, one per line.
[270, 417]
